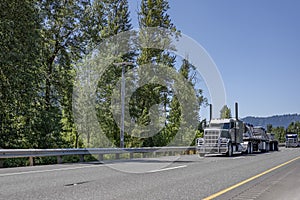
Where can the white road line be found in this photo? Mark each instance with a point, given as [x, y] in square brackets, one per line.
[49, 170]
[166, 169]
[240, 157]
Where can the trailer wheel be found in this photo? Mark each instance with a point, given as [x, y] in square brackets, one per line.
[249, 148]
[263, 148]
[272, 144]
[230, 150]
[276, 146]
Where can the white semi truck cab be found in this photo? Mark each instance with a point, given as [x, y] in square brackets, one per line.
[291, 140]
[223, 136]
[227, 136]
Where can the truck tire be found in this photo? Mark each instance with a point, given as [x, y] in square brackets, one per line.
[230, 150]
[276, 146]
[263, 148]
[249, 148]
[201, 154]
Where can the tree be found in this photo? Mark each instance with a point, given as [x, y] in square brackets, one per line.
[187, 71]
[70, 30]
[225, 112]
[19, 72]
[269, 128]
[279, 133]
[153, 13]
[116, 21]
[294, 127]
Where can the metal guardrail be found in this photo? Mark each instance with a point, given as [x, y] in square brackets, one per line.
[281, 144]
[32, 153]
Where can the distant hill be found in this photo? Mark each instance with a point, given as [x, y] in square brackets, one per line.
[277, 120]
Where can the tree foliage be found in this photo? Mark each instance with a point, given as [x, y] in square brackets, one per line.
[279, 133]
[116, 21]
[42, 43]
[225, 112]
[269, 128]
[19, 73]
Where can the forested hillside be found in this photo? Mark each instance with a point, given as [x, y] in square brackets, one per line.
[275, 121]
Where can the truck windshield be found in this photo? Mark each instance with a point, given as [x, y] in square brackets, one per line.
[221, 125]
[292, 136]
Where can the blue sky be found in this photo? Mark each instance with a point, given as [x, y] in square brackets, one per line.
[255, 45]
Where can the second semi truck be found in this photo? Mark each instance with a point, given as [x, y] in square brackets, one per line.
[291, 140]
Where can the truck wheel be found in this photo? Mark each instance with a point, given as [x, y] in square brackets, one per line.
[263, 148]
[276, 147]
[201, 154]
[230, 150]
[249, 148]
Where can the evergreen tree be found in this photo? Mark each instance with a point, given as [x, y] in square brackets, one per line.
[187, 70]
[225, 112]
[116, 21]
[269, 128]
[153, 13]
[294, 127]
[70, 30]
[279, 133]
[20, 41]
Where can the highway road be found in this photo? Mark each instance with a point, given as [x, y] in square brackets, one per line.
[185, 177]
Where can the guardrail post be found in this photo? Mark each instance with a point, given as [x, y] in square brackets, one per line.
[100, 157]
[81, 158]
[154, 154]
[59, 159]
[117, 156]
[1, 163]
[31, 161]
[131, 155]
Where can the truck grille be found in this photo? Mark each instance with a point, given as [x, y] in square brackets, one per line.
[211, 137]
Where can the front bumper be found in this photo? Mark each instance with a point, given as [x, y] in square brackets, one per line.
[213, 149]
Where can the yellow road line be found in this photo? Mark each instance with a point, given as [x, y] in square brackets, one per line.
[248, 180]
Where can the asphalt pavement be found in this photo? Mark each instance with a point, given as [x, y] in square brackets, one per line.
[184, 177]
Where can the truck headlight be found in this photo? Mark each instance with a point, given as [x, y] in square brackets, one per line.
[200, 141]
[223, 140]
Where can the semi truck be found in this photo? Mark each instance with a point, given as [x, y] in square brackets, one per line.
[229, 136]
[291, 140]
